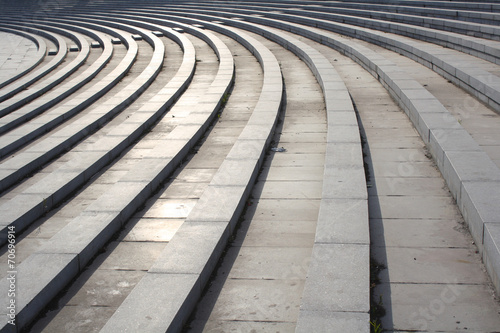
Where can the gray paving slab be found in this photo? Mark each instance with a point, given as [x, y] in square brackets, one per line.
[180, 257]
[170, 208]
[295, 159]
[321, 321]
[240, 326]
[282, 263]
[275, 233]
[104, 288]
[411, 155]
[432, 265]
[404, 168]
[441, 307]
[133, 256]
[345, 290]
[295, 173]
[23, 250]
[76, 320]
[345, 182]
[152, 230]
[402, 142]
[226, 206]
[48, 229]
[343, 221]
[422, 233]
[390, 207]
[82, 230]
[289, 190]
[258, 301]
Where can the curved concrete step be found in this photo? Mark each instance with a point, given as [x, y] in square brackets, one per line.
[330, 89]
[436, 128]
[129, 192]
[34, 92]
[91, 163]
[359, 56]
[343, 186]
[470, 15]
[476, 46]
[486, 6]
[32, 63]
[14, 169]
[451, 65]
[141, 248]
[68, 207]
[372, 18]
[184, 267]
[341, 246]
[471, 175]
[429, 117]
[26, 81]
[20, 135]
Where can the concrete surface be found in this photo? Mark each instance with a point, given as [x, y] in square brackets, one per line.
[390, 173]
